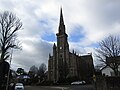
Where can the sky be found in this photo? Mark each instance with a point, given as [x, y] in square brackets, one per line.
[87, 22]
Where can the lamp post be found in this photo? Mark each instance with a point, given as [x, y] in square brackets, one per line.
[94, 79]
[9, 70]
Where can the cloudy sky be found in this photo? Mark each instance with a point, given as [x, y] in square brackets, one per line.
[87, 22]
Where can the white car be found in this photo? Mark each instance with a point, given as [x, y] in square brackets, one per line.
[19, 86]
[78, 83]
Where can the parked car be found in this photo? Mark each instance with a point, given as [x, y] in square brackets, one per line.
[78, 83]
[19, 86]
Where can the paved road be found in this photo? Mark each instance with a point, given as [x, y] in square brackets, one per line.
[76, 87]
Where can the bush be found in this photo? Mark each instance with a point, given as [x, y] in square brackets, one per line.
[72, 79]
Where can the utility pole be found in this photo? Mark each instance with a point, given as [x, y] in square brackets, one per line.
[9, 70]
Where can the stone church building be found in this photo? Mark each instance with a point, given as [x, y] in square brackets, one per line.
[65, 64]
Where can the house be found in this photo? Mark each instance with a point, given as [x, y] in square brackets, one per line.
[107, 71]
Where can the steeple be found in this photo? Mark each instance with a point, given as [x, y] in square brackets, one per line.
[61, 17]
[54, 46]
[61, 24]
[73, 51]
[49, 55]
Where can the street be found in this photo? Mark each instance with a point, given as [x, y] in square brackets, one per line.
[69, 87]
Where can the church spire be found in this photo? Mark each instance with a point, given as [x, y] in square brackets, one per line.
[54, 46]
[61, 18]
[61, 24]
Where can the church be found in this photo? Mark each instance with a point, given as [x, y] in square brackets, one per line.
[63, 64]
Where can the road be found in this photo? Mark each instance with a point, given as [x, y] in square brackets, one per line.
[74, 87]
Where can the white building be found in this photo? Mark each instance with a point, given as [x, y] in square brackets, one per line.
[107, 71]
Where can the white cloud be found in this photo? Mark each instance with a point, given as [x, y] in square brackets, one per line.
[34, 52]
[97, 17]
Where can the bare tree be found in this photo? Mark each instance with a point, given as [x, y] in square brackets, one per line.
[9, 25]
[41, 71]
[33, 70]
[33, 74]
[109, 52]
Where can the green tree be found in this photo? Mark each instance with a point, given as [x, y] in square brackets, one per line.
[20, 71]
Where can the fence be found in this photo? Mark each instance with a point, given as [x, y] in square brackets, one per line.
[107, 83]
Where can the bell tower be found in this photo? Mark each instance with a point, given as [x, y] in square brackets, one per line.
[62, 41]
[62, 48]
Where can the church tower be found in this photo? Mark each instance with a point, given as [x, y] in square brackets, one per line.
[62, 42]
[63, 64]
[62, 49]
